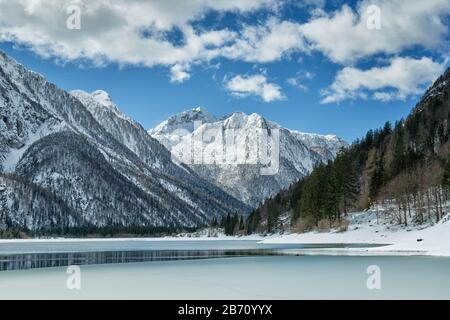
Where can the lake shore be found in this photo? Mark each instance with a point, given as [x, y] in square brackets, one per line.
[363, 229]
[182, 238]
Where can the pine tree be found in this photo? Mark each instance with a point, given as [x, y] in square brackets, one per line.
[398, 162]
[387, 129]
[332, 195]
[376, 179]
[214, 223]
[3, 209]
[241, 224]
[347, 176]
[272, 215]
[446, 175]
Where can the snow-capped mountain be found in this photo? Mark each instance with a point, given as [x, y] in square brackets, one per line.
[326, 145]
[75, 160]
[252, 135]
[169, 131]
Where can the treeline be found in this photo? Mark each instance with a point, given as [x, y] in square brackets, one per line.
[230, 224]
[13, 234]
[113, 231]
[322, 197]
[403, 171]
[93, 232]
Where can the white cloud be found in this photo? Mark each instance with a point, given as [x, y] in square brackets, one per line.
[179, 73]
[300, 76]
[254, 85]
[135, 32]
[120, 31]
[403, 77]
[295, 82]
[266, 42]
[344, 37]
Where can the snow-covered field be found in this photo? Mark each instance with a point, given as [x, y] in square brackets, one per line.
[363, 228]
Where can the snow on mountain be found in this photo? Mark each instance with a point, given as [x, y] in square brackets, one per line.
[64, 155]
[326, 145]
[169, 131]
[200, 140]
[123, 129]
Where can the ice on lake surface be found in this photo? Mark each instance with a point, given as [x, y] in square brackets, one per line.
[275, 277]
[30, 255]
[239, 277]
[140, 245]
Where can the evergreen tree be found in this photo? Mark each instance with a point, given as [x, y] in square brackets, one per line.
[347, 177]
[446, 175]
[398, 162]
[214, 223]
[376, 179]
[272, 215]
[332, 195]
[241, 224]
[387, 129]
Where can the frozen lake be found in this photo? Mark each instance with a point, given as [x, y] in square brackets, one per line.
[252, 276]
[43, 254]
[99, 245]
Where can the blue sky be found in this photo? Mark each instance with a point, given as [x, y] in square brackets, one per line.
[315, 67]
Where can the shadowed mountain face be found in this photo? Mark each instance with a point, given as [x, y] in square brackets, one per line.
[296, 153]
[82, 162]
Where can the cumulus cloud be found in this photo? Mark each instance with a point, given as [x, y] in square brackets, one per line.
[121, 31]
[179, 73]
[344, 37]
[254, 85]
[266, 42]
[138, 32]
[401, 78]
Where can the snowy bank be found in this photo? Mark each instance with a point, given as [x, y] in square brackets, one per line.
[364, 229]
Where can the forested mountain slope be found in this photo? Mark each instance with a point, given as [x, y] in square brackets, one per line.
[89, 166]
[403, 170]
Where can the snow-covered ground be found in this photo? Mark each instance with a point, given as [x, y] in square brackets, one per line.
[364, 229]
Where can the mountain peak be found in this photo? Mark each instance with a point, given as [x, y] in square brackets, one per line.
[16, 70]
[183, 121]
[99, 99]
[240, 119]
[102, 97]
[298, 153]
[198, 113]
[438, 88]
